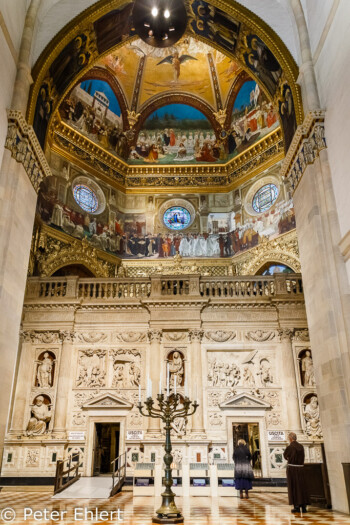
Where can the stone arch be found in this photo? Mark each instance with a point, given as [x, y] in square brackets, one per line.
[77, 47]
[253, 266]
[77, 253]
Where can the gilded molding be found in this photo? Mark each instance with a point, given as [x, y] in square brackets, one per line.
[22, 141]
[78, 252]
[305, 148]
[69, 143]
[283, 250]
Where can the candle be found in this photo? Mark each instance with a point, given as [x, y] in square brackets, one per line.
[140, 393]
[195, 393]
[150, 388]
[167, 379]
[175, 384]
[160, 385]
[186, 388]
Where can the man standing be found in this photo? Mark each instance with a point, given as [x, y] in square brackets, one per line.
[297, 491]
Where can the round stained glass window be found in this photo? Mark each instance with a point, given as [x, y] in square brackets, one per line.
[85, 197]
[265, 197]
[177, 218]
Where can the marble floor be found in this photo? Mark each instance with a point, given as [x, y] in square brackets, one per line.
[261, 509]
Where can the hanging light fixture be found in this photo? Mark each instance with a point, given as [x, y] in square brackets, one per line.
[160, 23]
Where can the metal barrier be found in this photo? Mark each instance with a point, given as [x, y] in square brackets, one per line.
[61, 482]
[118, 474]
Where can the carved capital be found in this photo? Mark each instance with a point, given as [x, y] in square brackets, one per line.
[195, 336]
[67, 336]
[285, 334]
[155, 335]
[302, 335]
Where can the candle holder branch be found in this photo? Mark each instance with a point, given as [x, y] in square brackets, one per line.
[170, 408]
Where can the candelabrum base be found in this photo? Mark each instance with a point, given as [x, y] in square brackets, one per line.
[168, 519]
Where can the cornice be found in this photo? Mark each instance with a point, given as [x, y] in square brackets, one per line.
[78, 149]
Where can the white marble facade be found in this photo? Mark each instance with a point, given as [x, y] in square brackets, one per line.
[82, 362]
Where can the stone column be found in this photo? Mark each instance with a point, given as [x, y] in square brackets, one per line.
[327, 300]
[307, 71]
[196, 379]
[23, 384]
[155, 368]
[23, 76]
[17, 211]
[63, 385]
[290, 386]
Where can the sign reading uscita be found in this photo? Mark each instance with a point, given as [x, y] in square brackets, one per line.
[133, 435]
[276, 435]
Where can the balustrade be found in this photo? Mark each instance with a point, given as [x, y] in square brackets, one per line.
[229, 287]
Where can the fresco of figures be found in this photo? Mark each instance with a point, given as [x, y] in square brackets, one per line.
[126, 235]
[253, 117]
[92, 109]
[177, 133]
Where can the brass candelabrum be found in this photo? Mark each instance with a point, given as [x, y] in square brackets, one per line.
[170, 408]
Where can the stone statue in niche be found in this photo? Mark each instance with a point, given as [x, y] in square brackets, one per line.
[266, 378]
[312, 418]
[44, 375]
[307, 370]
[176, 369]
[40, 417]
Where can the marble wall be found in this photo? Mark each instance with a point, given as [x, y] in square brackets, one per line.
[82, 362]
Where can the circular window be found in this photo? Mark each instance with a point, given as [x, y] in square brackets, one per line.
[88, 195]
[265, 197]
[86, 198]
[177, 218]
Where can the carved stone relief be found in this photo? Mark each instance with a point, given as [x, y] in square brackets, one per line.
[260, 336]
[91, 369]
[216, 420]
[244, 369]
[79, 419]
[219, 336]
[126, 371]
[90, 337]
[131, 337]
[32, 457]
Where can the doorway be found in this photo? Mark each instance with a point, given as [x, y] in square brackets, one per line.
[106, 447]
[251, 435]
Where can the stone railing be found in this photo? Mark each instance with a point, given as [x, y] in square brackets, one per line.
[159, 287]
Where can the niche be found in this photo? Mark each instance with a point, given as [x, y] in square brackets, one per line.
[45, 369]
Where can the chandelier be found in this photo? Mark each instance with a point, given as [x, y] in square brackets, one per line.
[160, 23]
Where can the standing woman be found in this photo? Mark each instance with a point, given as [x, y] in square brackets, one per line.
[243, 469]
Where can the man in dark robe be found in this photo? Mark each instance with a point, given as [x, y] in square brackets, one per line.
[297, 490]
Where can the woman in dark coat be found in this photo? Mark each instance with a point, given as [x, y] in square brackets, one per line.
[243, 469]
[297, 490]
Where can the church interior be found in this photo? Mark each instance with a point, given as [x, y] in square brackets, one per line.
[174, 259]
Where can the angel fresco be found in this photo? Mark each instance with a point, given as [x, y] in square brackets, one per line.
[175, 60]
